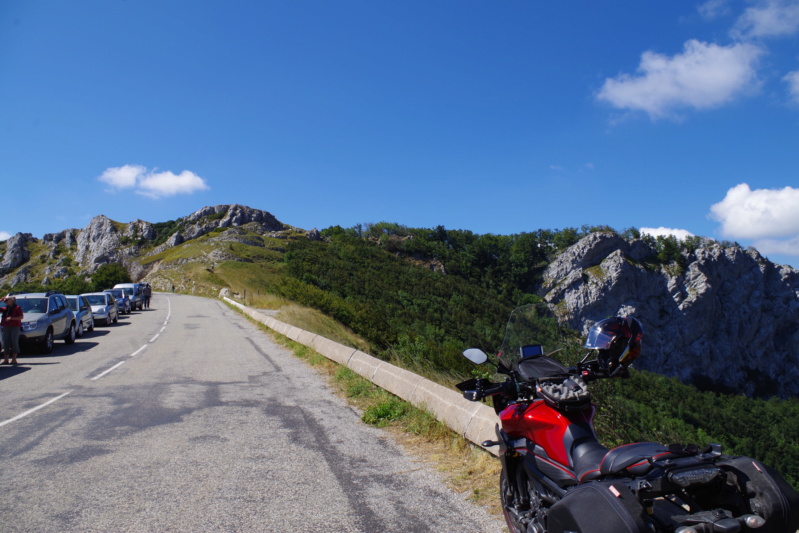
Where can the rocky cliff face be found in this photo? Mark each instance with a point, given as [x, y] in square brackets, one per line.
[729, 320]
[104, 241]
[17, 253]
[98, 243]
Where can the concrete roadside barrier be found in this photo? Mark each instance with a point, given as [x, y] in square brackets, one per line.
[474, 421]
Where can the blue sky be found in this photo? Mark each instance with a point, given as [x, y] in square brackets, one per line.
[495, 117]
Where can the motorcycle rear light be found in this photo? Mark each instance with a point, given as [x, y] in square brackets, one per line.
[695, 476]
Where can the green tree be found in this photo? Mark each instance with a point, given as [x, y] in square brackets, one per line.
[109, 275]
[71, 285]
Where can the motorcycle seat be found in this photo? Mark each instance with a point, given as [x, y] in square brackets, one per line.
[593, 461]
[636, 458]
[587, 457]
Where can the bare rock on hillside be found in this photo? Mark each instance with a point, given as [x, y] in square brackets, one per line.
[21, 276]
[240, 236]
[729, 320]
[67, 238]
[98, 243]
[208, 219]
[17, 253]
[139, 230]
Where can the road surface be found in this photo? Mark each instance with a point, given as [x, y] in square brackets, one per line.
[185, 417]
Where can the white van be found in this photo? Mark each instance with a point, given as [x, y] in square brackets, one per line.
[135, 292]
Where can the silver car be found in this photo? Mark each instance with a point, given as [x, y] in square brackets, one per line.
[47, 318]
[104, 307]
[83, 313]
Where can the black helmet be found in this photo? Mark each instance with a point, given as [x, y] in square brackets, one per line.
[617, 341]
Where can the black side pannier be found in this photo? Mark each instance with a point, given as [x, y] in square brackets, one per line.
[597, 507]
[769, 495]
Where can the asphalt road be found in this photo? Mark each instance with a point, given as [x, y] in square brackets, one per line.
[185, 417]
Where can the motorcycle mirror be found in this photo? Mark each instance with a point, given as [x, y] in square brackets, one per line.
[475, 355]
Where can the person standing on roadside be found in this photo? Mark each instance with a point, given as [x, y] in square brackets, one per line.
[147, 293]
[11, 323]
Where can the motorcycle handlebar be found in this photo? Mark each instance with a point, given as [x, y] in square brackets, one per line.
[588, 372]
[500, 388]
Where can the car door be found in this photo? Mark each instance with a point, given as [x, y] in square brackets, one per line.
[56, 310]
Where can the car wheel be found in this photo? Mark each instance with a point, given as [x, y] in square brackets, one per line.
[91, 325]
[79, 332]
[116, 318]
[47, 342]
[70, 338]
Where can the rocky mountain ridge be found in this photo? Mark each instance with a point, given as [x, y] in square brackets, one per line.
[725, 318]
[102, 241]
[728, 320]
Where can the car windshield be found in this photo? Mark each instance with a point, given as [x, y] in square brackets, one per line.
[96, 299]
[73, 303]
[33, 305]
[129, 292]
[119, 293]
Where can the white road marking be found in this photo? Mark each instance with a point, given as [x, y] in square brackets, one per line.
[29, 411]
[98, 376]
[140, 350]
[137, 352]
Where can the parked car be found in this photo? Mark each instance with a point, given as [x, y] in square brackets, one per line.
[48, 317]
[83, 313]
[104, 307]
[135, 292]
[123, 300]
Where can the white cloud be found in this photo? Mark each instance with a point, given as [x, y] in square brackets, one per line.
[159, 184]
[151, 183]
[681, 234]
[775, 246]
[703, 76]
[556, 168]
[792, 79]
[768, 18]
[758, 214]
[4, 236]
[123, 177]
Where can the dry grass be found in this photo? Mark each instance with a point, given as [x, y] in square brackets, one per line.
[321, 324]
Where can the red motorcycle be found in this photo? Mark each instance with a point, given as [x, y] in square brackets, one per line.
[558, 478]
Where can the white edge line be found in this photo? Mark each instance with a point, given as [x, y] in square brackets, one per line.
[156, 336]
[26, 413]
[109, 370]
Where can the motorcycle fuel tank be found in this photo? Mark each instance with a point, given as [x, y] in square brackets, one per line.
[554, 431]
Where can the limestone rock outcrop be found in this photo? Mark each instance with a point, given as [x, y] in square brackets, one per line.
[728, 320]
[17, 253]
